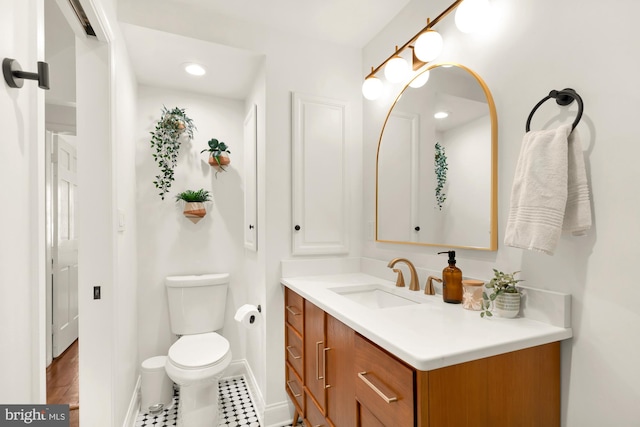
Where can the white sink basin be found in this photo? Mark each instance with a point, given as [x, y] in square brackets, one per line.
[374, 296]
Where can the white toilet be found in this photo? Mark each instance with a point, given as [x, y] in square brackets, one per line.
[197, 360]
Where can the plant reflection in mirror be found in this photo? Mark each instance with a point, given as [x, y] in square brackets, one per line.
[441, 168]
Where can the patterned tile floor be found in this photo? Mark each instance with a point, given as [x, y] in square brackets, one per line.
[236, 408]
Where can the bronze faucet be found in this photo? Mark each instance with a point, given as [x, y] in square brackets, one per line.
[413, 285]
[428, 289]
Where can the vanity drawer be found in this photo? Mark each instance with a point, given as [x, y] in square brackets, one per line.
[314, 415]
[384, 385]
[295, 389]
[367, 419]
[293, 306]
[294, 350]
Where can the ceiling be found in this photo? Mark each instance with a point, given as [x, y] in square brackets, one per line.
[230, 71]
[158, 60]
[347, 22]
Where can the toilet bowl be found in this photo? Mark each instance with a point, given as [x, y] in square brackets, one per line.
[197, 360]
[196, 363]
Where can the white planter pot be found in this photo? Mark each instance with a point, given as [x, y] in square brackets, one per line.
[507, 305]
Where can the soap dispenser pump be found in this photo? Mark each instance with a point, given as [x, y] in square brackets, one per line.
[451, 280]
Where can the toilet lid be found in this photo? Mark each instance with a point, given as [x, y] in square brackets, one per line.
[198, 351]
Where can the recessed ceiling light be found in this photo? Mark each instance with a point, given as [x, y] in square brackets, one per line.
[441, 115]
[195, 69]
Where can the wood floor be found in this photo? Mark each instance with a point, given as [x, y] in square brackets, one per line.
[62, 382]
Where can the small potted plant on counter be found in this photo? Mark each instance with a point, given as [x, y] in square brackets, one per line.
[194, 208]
[218, 153]
[504, 295]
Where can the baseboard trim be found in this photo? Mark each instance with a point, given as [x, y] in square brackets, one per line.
[134, 406]
[279, 414]
[241, 368]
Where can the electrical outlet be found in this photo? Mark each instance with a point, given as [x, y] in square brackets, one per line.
[96, 292]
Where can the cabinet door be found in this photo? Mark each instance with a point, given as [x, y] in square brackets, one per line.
[319, 176]
[341, 374]
[314, 366]
[250, 180]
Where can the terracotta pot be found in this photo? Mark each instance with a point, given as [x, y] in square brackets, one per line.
[194, 211]
[219, 161]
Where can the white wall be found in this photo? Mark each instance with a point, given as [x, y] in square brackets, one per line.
[536, 46]
[168, 243]
[253, 341]
[126, 293]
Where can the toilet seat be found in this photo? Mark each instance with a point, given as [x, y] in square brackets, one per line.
[199, 351]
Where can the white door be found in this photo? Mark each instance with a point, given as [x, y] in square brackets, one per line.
[21, 254]
[250, 173]
[65, 243]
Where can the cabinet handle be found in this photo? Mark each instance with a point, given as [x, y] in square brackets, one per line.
[291, 388]
[417, 228]
[318, 377]
[361, 375]
[290, 310]
[250, 226]
[324, 366]
[291, 352]
[297, 228]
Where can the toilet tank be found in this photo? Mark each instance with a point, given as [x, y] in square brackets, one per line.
[197, 302]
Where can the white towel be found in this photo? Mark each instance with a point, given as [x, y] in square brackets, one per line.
[577, 215]
[549, 191]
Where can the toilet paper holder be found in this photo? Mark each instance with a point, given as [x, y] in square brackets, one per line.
[253, 318]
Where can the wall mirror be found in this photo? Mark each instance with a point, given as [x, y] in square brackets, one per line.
[417, 150]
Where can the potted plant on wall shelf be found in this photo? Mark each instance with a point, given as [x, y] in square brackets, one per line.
[165, 140]
[218, 154]
[504, 295]
[194, 208]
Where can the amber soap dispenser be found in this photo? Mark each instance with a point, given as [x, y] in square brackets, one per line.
[451, 280]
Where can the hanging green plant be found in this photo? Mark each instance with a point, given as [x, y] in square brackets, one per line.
[441, 168]
[165, 140]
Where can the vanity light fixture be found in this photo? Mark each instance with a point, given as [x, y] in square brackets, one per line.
[397, 69]
[194, 69]
[426, 45]
[372, 88]
[471, 14]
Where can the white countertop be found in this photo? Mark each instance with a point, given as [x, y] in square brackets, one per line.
[429, 335]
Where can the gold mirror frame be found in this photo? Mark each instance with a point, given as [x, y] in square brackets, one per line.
[493, 239]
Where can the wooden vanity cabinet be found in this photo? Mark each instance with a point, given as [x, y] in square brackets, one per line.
[319, 358]
[520, 388]
[338, 378]
[294, 349]
[329, 370]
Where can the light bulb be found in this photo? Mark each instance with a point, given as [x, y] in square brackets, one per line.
[428, 46]
[396, 69]
[441, 115]
[471, 14]
[420, 80]
[195, 69]
[372, 88]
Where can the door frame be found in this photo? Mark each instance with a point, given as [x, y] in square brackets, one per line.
[95, 97]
